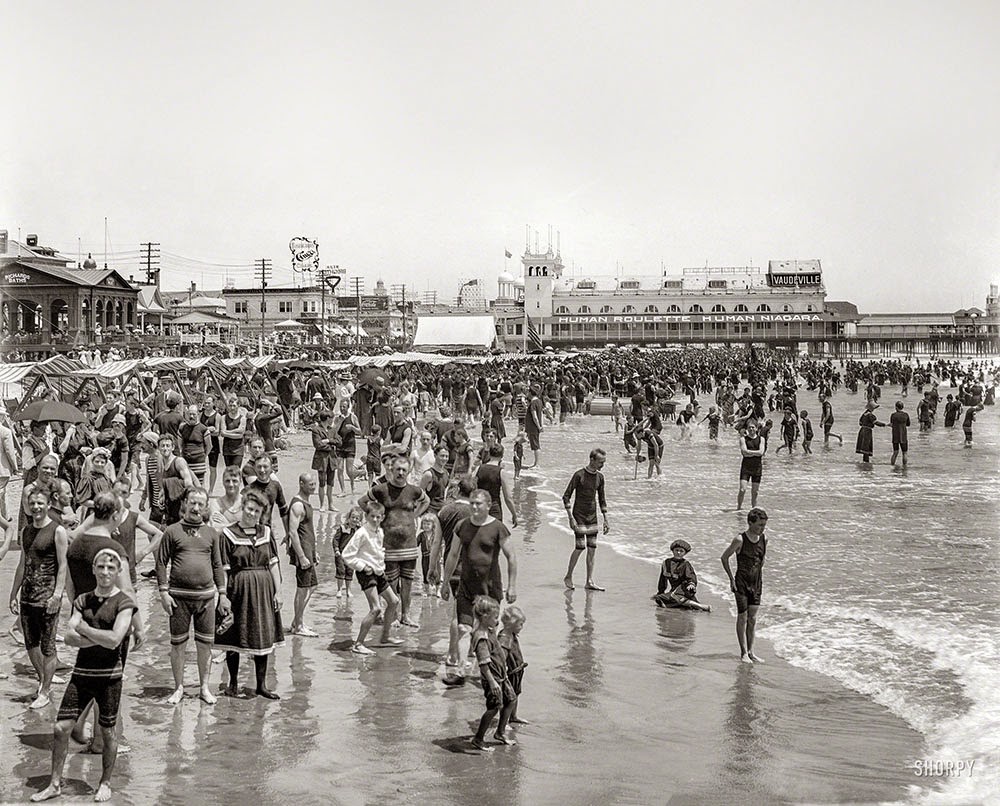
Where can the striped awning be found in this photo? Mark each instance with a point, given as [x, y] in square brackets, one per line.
[109, 369]
[13, 373]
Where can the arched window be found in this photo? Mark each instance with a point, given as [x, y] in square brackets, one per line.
[786, 308]
[605, 309]
[628, 309]
[584, 309]
[718, 309]
[674, 309]
[562, 309]
[763, 308]
[696, 308]
[741, 308]
[651, 309]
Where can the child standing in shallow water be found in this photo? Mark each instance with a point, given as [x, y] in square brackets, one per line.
[513, 621]
[492, 661]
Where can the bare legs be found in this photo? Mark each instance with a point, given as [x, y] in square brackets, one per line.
[746, 625]
[573, 559]
[60, 746]
[177, 652]
[45, 668]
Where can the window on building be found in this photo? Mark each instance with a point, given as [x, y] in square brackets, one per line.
[651, 309]
[718, 309]
[562, 309]
[584, 309]
[741, 308]
[674, 309]
[240, 307]
[605, 309]
[696, 308]
[763, 308]
[786, 308]
[284, 307]
[811, 308]
[263, 307]
[628, 309]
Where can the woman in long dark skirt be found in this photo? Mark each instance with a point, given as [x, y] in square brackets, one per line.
[866, 434]
[253, 583]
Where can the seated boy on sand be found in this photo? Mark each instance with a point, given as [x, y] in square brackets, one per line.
[678, 581]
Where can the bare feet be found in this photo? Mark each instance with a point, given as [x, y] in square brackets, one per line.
[390, 642]
[568, 581]
[361, 649]
[754, 658]
[745, 658]
[593, 586]
[176, 697]
[235, 692]
[51, 791]
[305, 631]
[480, 745]
[406, 621]
[39, 702]
[267, 694]
[103, 793]
[516, 720]
[206, 696]
[503, 739]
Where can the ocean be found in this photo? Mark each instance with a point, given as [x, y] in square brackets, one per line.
[886, 579]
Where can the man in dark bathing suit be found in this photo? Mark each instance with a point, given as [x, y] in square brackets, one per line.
[749, 548]
[584, 493]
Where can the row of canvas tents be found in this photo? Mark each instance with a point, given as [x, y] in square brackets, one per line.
[69, 378]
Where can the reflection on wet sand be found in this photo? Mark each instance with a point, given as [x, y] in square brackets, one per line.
[746, 734]
[580, 672]
[677, 626]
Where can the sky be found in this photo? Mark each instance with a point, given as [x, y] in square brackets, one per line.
[417, 141]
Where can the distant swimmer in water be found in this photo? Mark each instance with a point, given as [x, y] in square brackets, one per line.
[969, 419]
[752, 465]
[747, 585]
[900, 421]
[826, 421]
[713, 418]
[678, 582]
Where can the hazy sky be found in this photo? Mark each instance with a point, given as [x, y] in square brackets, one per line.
[416, 140]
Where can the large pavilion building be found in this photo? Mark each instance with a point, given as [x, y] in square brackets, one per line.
[784, 305]
[46, 302]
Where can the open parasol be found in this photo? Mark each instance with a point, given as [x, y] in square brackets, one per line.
[46, 411]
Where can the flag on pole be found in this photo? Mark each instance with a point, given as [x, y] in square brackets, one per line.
[507, 254]
[533, 337]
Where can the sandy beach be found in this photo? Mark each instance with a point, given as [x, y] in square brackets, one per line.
[628, 704]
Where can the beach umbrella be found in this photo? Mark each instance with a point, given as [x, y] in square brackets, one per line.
[45, 411]
[298, 363]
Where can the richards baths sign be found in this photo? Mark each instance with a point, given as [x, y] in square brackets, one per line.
[694, 318]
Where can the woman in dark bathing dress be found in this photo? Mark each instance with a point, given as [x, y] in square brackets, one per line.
[250, 560]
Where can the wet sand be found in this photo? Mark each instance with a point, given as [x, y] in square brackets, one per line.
[628, 704]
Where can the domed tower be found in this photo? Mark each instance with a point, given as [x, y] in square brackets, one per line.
[90, 263]
[505, 286]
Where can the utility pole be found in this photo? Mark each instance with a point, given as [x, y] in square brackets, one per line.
[357, 283]
[399, 293]
[329, 276]
[151, 257]
[263, 268]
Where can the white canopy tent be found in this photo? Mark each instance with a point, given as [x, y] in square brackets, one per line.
[475, 332]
